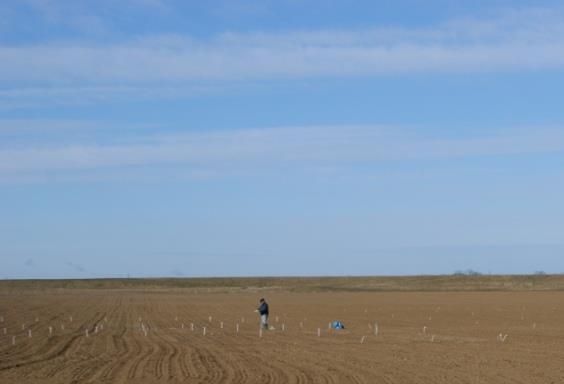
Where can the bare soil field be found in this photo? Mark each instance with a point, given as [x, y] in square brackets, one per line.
[155, 334]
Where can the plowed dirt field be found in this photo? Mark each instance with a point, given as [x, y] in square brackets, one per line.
[157, 336]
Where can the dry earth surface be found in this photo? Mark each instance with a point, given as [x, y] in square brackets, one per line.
[142, 332]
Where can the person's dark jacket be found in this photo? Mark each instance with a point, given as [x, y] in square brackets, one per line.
[263, 308]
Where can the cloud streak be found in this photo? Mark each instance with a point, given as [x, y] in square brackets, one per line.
[530, 39]
[258, 150]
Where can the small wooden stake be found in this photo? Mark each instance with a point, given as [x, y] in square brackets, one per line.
[204, 332]
[318, 332]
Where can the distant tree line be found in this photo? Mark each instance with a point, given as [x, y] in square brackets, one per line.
[471, 272]
[467, 272]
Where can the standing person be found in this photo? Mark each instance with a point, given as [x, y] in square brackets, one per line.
[263, 312]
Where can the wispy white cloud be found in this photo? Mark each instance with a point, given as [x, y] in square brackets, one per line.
[267, 150]
[80, 95]
[531, 39]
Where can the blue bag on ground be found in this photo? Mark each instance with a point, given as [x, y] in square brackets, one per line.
[337, 325]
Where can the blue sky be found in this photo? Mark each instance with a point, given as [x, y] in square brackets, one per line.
[228, 138]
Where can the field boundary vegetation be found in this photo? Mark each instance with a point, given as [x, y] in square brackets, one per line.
[536, 282]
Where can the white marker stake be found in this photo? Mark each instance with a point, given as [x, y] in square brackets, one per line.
[376, 330]
[86, 332]
[283, 327]
[221, 325]
[62, 327]
[433, 339]
[204, 332]
[29, 333]
[182, 325]
[50, 331]
[260, 332]
[362, 340]
[424, 330]
[329, 326]
[318, 332]
[13, 340]
[95, 329]
[192, 326]
[237, 328]
[210, 319]
[70, 318]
